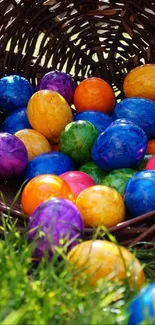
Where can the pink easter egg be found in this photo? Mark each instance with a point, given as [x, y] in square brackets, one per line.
[151, 164]
[78, 181]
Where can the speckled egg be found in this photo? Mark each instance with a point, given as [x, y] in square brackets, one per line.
[35, 142]
[101, 205]
[16, 121]
[140, 192]
[77, 140]
[55, 163]
[140, 111]
[118, 178]
[94, 171]
[15, 92]
[13, 156]
[122, 145]
[58, 220]
[49, 113]
[100, 120]
[97, 259]
[60, 82]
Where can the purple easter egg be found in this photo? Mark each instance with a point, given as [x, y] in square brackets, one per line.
[54, 220]
[13, 156]
[60, 82]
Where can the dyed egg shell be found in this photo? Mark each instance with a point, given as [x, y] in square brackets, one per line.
[77, 181]
[13, 156]
[16, 121]
[144, 162]
[97, 259]
[55, 163]
[94, 94]
[57, 219]
[151, 147]
[140, 192]
[93, 171]
[100, 120]
[60, 82]
[122, 145]
[151, 164]
[49, 113]
[140, 82]
[101, 205]
[141, 309]
[140, 111]
[118, 178]
[41, 188]
[15, 92]
[35, 142]
[77, 140]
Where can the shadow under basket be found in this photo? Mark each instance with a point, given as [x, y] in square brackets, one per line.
[139, 230]
[85, 38]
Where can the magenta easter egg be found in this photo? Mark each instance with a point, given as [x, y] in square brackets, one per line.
[55, 222]
[78, 181]
[151, 164]
[13, 156]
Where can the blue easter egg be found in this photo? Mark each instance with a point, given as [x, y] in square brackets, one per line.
[139, 193]
[122, 145]
[16, 121]
[15, 92]
[49, 163]
[140, 111]
[142, 307]
[100, 120]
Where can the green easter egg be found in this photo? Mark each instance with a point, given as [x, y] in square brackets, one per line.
[77, 140]
[118, 178]
[94, 171]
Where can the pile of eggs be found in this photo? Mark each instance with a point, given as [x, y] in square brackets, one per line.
[86, 160]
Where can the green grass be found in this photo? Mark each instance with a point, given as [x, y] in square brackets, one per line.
[47, 293]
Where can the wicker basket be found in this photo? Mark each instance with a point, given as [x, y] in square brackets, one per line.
[85, 38]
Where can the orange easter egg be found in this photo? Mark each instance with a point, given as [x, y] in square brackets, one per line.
[140, 82]
[41, 188]
[94, 94]
[151, 147]
[100, 258]
[101, 205]
[35, 142]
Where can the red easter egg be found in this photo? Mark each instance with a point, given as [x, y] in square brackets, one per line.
[78, 181]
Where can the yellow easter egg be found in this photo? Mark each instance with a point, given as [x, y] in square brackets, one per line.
[140, 82]
[49, 113]
[101, 205]
[35, 142]
[100, 258]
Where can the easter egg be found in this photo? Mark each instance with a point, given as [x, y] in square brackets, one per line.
[77, 181]
[97, 259]
[35, 142]
[140, 82]
[48, 163]
[101, 205]
[49, 113]
[144, 162]
[151, 147]
[93, 171]
[60, 82]
[141, 111]
[141, 308]
[151, 164]
[77, 140]
[13, 156]
[100, 120]
[16, 121]
[15, 92]
[118, 178]
[140, 192]
[57, 219]
[41, 188]
[94, 94]
[122, 145]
